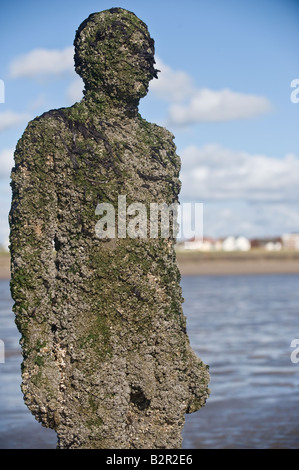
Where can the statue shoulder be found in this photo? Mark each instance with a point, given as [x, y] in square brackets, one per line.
[156, 132]
[41, 135]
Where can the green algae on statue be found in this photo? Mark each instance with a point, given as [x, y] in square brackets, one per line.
[106, 358]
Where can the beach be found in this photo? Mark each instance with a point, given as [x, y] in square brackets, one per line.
[4, 266]
[195, 263]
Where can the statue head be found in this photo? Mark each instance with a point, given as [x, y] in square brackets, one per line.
[114, 54]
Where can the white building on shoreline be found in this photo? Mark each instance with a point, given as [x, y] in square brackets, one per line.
[236, 244]
[290, 241]
[209, 244]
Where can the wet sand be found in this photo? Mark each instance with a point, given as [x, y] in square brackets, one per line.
[4, 266]
[196, 263]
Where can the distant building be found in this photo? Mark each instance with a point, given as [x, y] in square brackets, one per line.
[268, 244]
[236, 244]
[273, 246]
[200, 244]
[210, 244]
[290, 241]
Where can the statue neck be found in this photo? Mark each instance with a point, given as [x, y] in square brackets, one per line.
[101, 103]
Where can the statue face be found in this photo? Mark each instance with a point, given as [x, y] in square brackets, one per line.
[114, 53]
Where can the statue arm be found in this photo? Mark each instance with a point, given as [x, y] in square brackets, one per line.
[32, 227]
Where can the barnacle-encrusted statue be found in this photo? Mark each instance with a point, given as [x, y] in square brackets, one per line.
[106, 358]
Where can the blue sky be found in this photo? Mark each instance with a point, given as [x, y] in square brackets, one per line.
[224, 91]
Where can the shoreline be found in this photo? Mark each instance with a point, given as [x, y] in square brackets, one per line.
[213, 264]
[4, 266]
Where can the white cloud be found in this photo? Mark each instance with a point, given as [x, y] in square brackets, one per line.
[251, 220]
[75, 90]
[5, 197]
[41, 62]
[216, 173]
[171, 85]
[221, 105]
[246, 194]
[6, 162]
[189, 104]
[10, 119]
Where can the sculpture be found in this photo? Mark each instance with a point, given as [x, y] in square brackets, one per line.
[106, 358]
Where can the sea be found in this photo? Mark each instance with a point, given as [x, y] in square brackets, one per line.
[244, 327]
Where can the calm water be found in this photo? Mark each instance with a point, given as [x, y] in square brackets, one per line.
[242, 326]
